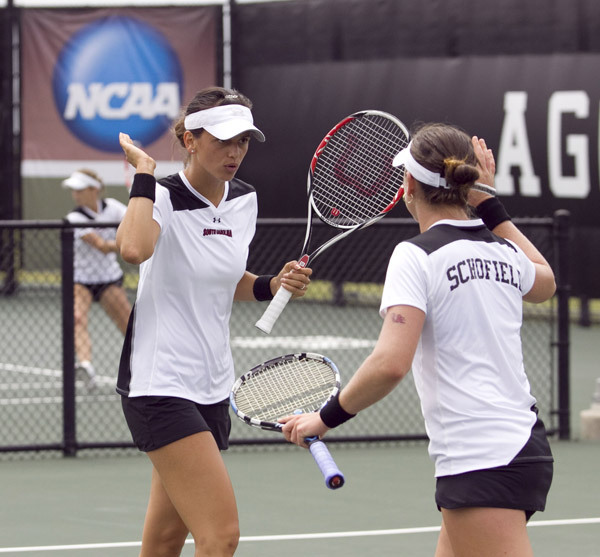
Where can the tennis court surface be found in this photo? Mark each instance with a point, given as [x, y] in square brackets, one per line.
[94, 505]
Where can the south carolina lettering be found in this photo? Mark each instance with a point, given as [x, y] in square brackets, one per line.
[219, 232]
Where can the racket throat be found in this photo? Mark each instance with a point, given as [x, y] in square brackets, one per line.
[304, 260]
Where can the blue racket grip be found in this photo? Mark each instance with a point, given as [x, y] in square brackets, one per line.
[334, 479]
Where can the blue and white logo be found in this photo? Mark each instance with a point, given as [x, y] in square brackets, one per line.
[117, 74]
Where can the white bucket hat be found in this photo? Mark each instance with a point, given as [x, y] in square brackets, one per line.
[224, 121]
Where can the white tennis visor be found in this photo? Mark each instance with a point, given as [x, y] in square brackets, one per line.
[419, 172]
[224, 122]
[80, 181]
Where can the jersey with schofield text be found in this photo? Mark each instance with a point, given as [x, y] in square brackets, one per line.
[468, 367]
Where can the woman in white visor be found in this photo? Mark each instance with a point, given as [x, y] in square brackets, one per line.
[190, 232]
[98, 276]
[452, 311]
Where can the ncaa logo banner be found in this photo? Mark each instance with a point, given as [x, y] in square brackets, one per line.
[96, 97]
[109, 71]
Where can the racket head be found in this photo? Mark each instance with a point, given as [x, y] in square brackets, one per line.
[351, 180]
[301, 382]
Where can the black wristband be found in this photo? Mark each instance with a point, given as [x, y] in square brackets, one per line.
[262, 288]
[144, 185]
[333, 414]
[492, 212]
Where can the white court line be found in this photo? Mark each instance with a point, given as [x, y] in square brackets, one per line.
[30, 386]
[29, 370]
[57, 399]
[47, 372]
[285, 537]
[308, 343]
[317, 342]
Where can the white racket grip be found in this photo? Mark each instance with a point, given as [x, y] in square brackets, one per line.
[334, 479]
[273, 311]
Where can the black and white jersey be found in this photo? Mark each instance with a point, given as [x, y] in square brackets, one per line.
[178, 340]
[468, 367]
[91, 266]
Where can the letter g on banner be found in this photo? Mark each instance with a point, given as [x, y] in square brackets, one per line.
[117, 74]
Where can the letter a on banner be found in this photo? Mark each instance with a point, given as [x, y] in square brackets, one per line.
[514, 149]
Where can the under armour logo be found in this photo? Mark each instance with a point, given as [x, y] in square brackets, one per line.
[216, 219]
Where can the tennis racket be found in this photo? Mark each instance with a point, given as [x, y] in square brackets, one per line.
[351, 185]
[292, 384]
[482, 187]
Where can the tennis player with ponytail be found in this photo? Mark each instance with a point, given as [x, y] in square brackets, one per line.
[452, 311]
[191, 233]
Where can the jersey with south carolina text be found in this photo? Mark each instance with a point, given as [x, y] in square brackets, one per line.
[177, 342]
[91, 266]
[468, 366]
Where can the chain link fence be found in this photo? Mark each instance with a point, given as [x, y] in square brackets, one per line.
[46, 403]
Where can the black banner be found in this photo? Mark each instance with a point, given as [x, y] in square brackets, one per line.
[538, 113]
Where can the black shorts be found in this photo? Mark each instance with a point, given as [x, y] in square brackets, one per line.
[156, 421]
[97, 289]
[522, 484]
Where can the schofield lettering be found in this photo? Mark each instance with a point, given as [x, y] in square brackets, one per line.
[482, 269]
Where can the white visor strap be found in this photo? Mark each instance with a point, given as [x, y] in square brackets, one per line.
[217, 115]
[418, 171]
[81, 180]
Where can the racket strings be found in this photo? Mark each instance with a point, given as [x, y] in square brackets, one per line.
[362, 184]
[285, 387]
[354, 180]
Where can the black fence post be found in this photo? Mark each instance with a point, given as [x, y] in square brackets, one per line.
[68, 340]
[8, 261]
[9, 145]
[10, 114]
[563, 291]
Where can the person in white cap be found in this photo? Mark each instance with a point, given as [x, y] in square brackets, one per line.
[452, 311]
[191, 234]
[98, 275]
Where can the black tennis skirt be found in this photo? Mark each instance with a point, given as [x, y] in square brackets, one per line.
[156, 421]
[522, 484]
